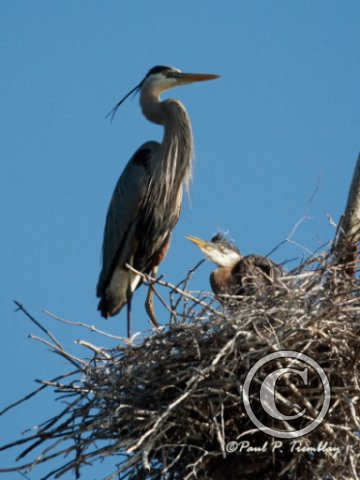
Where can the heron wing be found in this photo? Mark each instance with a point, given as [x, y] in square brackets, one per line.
[266, 265]
[255, 273]
[125, 205]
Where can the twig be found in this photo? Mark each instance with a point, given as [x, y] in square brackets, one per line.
[185, 294]
[99, 351]
[77, 362]
[35, 392]
[92, 328]
[38, 324]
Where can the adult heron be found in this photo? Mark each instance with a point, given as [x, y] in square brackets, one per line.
[237, 274]
[147, 199]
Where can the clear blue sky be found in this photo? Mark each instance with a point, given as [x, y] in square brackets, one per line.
[282, 122]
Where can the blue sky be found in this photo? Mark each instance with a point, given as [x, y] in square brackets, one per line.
[281, 123]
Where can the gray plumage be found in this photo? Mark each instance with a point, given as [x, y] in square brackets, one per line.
[147, 199]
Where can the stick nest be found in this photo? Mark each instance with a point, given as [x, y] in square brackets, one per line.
[170, 405]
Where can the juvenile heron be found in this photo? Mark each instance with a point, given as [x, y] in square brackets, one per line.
[146, 203]
[237, 274]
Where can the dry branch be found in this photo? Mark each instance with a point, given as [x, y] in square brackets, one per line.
[348, 234]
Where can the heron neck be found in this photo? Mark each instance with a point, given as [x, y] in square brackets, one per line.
[178, 143]
[151, 106]
[177, 146]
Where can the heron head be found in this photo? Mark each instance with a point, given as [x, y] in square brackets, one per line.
[219, 250]
[162, 78]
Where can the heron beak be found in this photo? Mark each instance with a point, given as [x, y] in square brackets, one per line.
[185, 78]
[200, 243]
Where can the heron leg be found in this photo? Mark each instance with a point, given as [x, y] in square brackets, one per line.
[128, 315]
[149, 303]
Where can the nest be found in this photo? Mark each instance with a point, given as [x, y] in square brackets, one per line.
[172, 405]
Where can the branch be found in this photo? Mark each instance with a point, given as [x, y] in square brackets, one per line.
[21, 308]
[348, 234]
[148, 279]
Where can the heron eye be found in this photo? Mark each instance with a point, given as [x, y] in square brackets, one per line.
[171, 74]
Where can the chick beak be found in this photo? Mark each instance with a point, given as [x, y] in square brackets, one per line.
[200, 243]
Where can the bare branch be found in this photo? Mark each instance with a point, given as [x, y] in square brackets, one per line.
[348, 234]
[38, 324]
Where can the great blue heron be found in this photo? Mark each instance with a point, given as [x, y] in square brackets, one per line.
[146, 203]
[237, 274]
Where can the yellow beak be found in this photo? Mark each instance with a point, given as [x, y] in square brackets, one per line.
[185, 78]
[200, 243]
